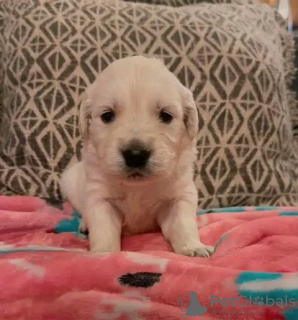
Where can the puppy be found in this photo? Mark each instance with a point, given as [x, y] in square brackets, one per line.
[139, 126]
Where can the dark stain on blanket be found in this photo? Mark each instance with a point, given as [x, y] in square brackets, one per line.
[140, 279]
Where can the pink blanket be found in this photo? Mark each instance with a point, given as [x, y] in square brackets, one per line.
[48, 273]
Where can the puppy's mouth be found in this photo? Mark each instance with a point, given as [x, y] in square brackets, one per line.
[136, 176]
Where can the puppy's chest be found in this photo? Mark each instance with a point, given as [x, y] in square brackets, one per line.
[139, 212]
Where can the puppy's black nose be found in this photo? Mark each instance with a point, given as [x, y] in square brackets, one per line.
[136, 156]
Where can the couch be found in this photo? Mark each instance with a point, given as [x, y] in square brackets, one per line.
[295, 82]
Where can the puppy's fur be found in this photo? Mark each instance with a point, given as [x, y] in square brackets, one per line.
[115, 199]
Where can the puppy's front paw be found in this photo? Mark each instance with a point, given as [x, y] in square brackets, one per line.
[197, 250]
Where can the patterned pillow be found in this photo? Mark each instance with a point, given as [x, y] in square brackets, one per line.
[236, 58]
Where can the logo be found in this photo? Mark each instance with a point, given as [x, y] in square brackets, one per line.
[249, 301]
[190, 306]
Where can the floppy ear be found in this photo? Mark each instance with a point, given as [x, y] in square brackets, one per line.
[84, 116]
[160, 60]
[191, 119]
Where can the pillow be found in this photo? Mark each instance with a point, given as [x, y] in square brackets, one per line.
[236, 58]
[295, 83]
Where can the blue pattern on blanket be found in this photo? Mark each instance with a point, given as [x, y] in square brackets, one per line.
[288, 213]
[70, 225]
[271, 289]
[235, 210]
[291, 314]
[7, 249]
[220, 241]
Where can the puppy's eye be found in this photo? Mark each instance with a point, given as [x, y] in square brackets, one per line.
[165, 117]
[108, 116]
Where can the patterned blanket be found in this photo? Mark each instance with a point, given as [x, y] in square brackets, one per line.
[47, 272]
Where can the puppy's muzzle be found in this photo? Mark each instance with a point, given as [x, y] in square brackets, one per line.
[136, 155]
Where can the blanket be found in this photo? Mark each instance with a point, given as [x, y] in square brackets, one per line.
[48, 273]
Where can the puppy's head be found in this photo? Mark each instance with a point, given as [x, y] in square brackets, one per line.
[140, 119]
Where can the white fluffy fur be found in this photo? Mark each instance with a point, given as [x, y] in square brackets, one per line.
[111, 203]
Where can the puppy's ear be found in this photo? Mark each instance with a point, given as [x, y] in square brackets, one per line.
[160, 60]
[84, 116]
[190, 117]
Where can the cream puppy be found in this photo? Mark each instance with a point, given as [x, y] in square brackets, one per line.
[139, 126]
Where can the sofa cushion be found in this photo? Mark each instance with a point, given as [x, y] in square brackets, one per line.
[235, 58]
[295, 82]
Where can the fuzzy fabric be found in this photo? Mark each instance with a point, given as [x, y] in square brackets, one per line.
[47, 272]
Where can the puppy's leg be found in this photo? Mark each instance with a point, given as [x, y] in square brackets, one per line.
[72, 185]
[104, 225]
[179, 227]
